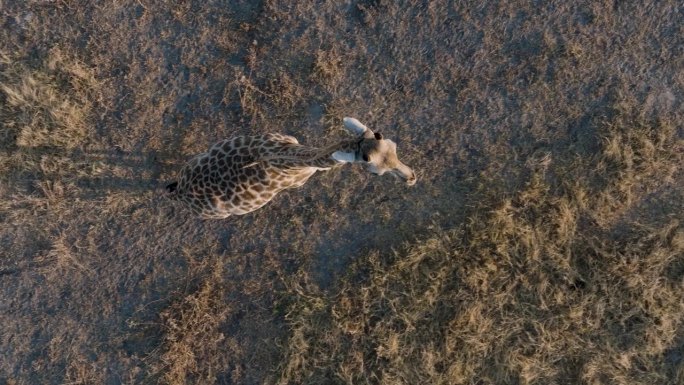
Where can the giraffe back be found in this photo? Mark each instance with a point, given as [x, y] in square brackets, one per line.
[231, 178]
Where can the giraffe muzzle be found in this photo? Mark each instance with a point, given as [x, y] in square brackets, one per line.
[411, 180]
[406, 173]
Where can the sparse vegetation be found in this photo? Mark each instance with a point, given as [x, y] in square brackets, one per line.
[533, 289]
[193, 349]
[543, 243]
[39, 111]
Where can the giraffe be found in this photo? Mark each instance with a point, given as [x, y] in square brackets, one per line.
[239, 175]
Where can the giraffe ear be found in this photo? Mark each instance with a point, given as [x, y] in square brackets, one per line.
[354, 126]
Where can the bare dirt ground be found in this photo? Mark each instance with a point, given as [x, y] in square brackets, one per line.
[543, 243]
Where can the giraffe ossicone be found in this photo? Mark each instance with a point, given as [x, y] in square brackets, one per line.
[239, 175]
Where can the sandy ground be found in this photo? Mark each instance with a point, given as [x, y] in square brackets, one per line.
[104, 281]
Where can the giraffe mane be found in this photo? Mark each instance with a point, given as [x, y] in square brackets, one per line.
[295, 158]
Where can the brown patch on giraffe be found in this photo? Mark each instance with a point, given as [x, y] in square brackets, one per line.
[248, 195]
[267, 195]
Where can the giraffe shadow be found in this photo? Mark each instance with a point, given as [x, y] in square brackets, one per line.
[94, 173]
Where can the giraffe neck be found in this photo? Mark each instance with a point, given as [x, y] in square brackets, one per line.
[321, 158]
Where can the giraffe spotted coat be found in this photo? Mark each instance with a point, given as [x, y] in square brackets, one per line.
[239, 175]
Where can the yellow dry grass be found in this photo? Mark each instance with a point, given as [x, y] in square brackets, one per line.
[47, 106]
[531, 290]
[193, 348]
[45, 112]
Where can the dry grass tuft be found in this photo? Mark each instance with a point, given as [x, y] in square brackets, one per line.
[249, 95]
[638, 160]
[327, 66]
[81, 372]
[61, 260]
[48, 106]
[45, 112]
[192, 338]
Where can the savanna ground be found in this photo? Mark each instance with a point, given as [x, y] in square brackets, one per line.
[543, 243]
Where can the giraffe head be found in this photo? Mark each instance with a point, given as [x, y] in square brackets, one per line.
[377, 154]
